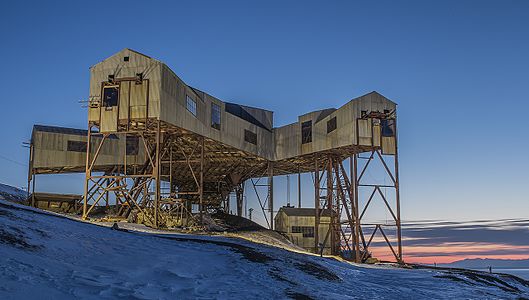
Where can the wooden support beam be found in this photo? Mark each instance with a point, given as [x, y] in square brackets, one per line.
[316, 205]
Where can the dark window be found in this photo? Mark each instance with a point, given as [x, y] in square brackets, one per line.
[331, 125]
[388, 127]
[139, 78]
[250, 137]
[306, 132]
[191, 105]
[76, 146]
[126, 58]
[215, 116]
[111, 78]
[307, 231]
[133, 145]
[110, 96]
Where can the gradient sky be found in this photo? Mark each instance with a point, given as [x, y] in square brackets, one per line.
[459, 71]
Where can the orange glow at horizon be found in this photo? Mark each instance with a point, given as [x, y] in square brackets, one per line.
[450, 252]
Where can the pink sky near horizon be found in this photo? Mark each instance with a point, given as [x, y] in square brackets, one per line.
[432, 254]
[429, 242]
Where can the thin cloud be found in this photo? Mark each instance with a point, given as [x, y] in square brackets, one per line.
[507, 238]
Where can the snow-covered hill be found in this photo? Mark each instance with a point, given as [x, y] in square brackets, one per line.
[43, 256]
[11, 193]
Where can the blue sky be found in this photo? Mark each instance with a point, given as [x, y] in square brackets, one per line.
[457, 69]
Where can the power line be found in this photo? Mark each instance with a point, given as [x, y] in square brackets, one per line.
[13, 161]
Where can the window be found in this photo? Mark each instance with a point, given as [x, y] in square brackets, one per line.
[306, 132]
[126, 58]
[250, 137]
[388, 127]
[76, 146]
[215, 116]
[132, 145]
[139, 78]
[191, 105]
[307, 231]
[110, 96]
[331, 125]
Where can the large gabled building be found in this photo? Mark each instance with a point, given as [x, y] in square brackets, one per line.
[160, 146]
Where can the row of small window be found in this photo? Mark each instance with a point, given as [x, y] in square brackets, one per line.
[388, 129]
[307, 231]
[191, 106]
[132, 145]
[306, 130]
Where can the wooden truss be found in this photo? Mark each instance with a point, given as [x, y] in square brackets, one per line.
[181, 169]
[195, 171]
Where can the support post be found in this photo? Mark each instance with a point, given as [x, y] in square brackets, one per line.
[330, 206]
[299, 188]
[30, 174]
[156, 174]
[271, 193]
[316, 206]
[33, 203]
[397, 198]
[28, 188]
[228, 203]
[171, 190]
[88, 172]
[354, 187]
[201, 187]
[107, 193]
[240, 199]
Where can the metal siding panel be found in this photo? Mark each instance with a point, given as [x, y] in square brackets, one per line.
[388, 145]
[109, 119]
[138, 100]
[376, 134]
[124, 100]
[364, 132]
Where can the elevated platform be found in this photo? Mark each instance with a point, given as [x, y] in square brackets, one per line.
[156, 145]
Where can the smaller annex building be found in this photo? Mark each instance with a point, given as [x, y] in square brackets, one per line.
[298, 225]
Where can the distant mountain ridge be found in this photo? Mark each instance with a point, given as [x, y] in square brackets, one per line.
[483, 263]
[12, 193]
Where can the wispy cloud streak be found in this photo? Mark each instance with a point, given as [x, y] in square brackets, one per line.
[430, 241]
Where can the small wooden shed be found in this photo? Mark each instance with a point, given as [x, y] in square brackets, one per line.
[298, 225]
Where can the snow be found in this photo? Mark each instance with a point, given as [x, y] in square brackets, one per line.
[8, 192]
[46, 256]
